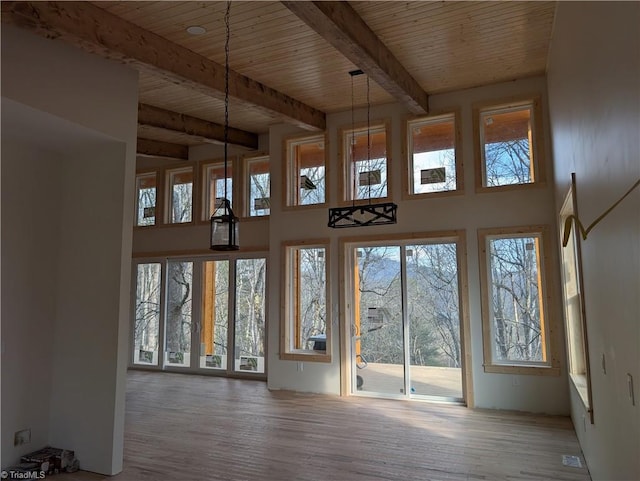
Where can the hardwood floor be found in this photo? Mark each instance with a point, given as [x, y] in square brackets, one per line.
[182, 427]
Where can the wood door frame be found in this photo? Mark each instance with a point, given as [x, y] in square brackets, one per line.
[455, 236]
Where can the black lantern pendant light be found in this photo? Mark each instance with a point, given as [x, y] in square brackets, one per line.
[224, 224]
[369, 214]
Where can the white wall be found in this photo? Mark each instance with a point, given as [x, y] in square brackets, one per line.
[29, 271]
[85, 110]
[594, 89]
[470, 211]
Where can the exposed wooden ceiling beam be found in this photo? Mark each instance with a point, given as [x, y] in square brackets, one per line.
[100, 32]
[340, 25]
[200, 129]
[155, 148]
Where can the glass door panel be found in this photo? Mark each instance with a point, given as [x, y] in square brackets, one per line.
[214, 332]
[179, 314]
[378, 345]
[406, 320]
[249, 327]
[433, 316]
[147, 314]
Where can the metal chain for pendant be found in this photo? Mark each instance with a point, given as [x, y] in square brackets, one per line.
[226, 93]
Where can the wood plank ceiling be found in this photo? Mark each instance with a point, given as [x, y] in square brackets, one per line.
[290, 60]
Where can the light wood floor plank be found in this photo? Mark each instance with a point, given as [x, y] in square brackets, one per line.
[183, 427]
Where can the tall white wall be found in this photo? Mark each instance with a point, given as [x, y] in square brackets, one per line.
[29, 272]
[594, 90]
[84, 109]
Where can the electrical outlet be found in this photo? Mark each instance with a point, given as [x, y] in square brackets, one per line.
[22, 437]
[516, 381]
[300, 366]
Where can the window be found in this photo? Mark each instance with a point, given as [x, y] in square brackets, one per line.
[215, 316]
[203, 315]
[306, 326]
[575, 325]
[179, 313]
[214, 187]
[146, 328]
[250, 315]
[257, 186]
[509, 145]
[514, 309]
[364, 153]
[433, 165]
[146, 199]
[306, 171]
[180, 195]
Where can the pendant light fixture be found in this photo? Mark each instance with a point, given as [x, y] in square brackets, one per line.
[224, 224]
[369, 214]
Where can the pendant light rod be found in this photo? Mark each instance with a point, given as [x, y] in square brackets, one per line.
[224, 223]
[369, 214]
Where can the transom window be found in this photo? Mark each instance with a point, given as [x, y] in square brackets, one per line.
[433, 166]
[508, 143]
[146, 194]
[214, 186]
[257, 186]
[366, 171]
[180, 189]
[306, 171]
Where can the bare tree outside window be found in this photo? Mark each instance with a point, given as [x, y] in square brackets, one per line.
[178, 321]
[432, 155]
[312, 295]
[147, 310]
[250, 307]
[515, 290]
[507, 146]
[181, 192]
[259, 194]
[434, 305]
[146, 199]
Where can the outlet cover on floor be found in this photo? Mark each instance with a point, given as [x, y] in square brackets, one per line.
[572, 461]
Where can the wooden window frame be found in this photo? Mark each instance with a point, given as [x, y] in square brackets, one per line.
[202, 193]
[291, 171]
[407, 173]
[245, 198]
[159, 213]
[536, 141]
[575, 312]
[345, 182]
[167, 185]
[551, 365]
[289, 319]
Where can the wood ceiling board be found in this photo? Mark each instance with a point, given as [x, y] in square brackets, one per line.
[444, 45]
[474, 32]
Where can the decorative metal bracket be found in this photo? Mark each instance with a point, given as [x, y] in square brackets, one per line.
[363, 215]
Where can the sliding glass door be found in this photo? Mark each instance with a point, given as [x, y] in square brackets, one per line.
[406, 319]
